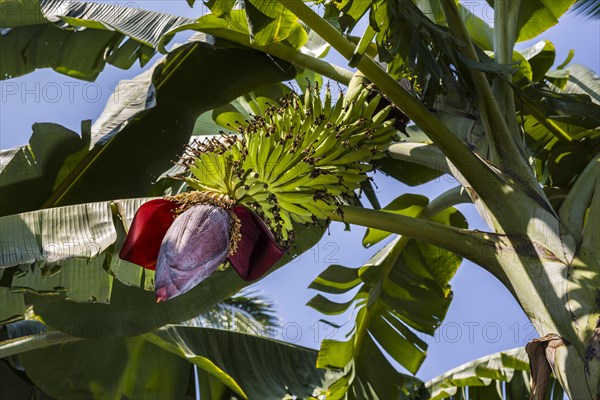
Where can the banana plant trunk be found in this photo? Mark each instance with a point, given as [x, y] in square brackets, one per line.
[548, 297]
[554, 275]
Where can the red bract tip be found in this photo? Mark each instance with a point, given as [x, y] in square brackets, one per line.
[257, 250]
[150, 225]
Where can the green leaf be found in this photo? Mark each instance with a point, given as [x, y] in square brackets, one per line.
[405, 286]
[336, 279]
[220, 7]
[15, 13]
[576, 109]
[583, 80]
[328, 307]
[144, 26]
[541, 57]
[484, 375]
[211, 388]
[271, 22]
[363, 45]
[72, 53]
[407, 204]
[239, 316]
[349, 12]
[335, 354]
[13, 304]
[525, 72]
[42, 36]
[16, 385]
[481, 33]
[32, 169]
[108, 368]
[558, 78]
[404, 346]
[255, 367]
[536, 16]
[406, 172]
[567, 60]
[147, 122]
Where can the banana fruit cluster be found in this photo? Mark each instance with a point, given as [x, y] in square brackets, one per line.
[295, 161]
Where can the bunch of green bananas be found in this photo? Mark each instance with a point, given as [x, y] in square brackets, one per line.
[295, 160]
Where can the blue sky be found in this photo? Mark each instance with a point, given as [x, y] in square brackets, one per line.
[483, 317]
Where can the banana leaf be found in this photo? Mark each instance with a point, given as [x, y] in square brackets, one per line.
[160, 362]
[402, 289]
[503, 375]
[76, 38]
[143, 128]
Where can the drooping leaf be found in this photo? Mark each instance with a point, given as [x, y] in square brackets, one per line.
[16, 384]
[32, 169]
[403, 288]
[271, 22]
[254, 367]
[73, 53]
[219, 7]
[108, 368]
[537, 16]
[42, 35]
[541, 57]
[484, 378]
[350, 12]
[482, 34]
[587, 8]
[406, 172]
[336, 279]
[158, 109]
[144, 370]
[583, 80]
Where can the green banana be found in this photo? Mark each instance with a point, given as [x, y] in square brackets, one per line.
[293, 161]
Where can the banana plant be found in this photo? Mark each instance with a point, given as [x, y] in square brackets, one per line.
[521, 140]
[544, 254]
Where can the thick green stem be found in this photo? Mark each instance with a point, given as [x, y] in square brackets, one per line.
[504, 148]
[450, 198]
[286, 53]
[479, 247]
[505, 27]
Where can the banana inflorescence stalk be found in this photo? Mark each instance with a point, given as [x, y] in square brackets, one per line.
[295, 162]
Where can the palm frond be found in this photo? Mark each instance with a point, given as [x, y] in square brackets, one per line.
[587, 8]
